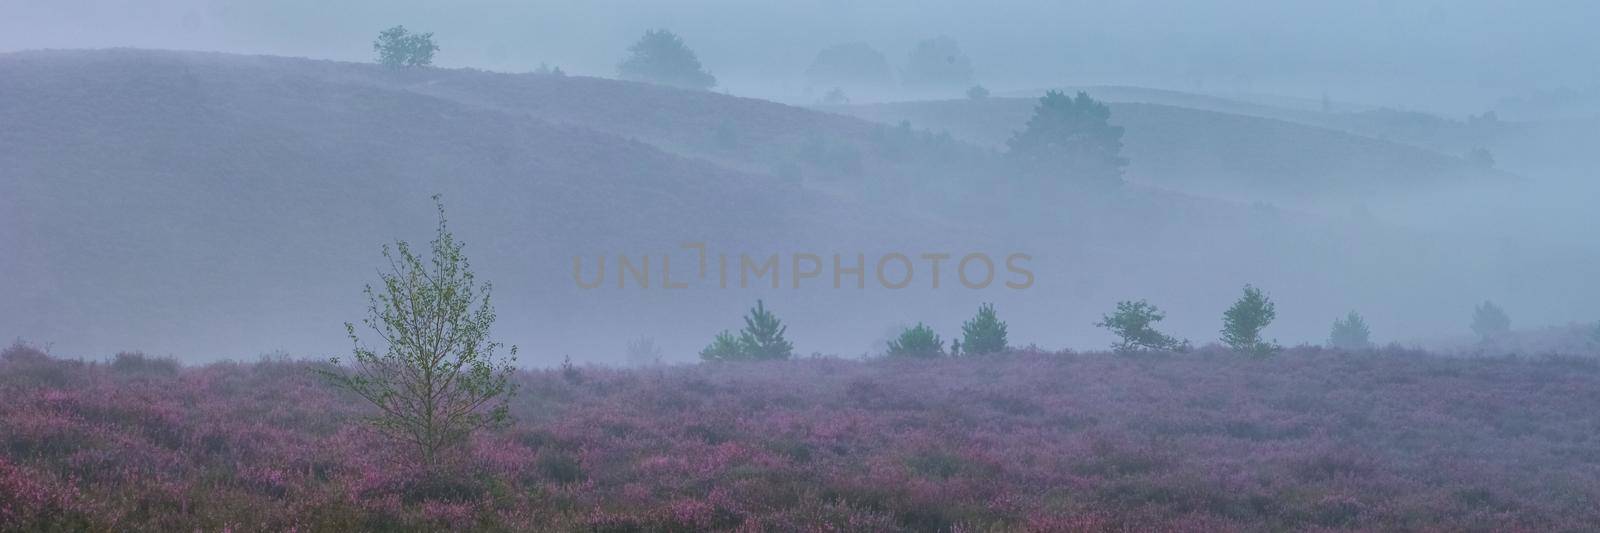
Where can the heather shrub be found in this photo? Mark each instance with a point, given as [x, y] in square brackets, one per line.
[24, 364]
[761, 339]
[397, 47]
[1490, 322]
[1242, 323]
[139, 364]
[1350, 333]
[985, 333]
[919, 341]
[436, 378]
[1133, 324]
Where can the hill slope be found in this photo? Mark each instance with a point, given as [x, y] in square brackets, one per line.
[1215, 153]
[210, 205]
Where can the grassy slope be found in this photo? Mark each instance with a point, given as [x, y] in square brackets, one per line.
[1028, 441]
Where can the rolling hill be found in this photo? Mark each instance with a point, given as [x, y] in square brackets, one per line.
[1221, 154]
[211, 205]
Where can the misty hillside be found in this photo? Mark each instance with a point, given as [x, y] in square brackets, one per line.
[192, 185]
[1203, 151]
[166, 201]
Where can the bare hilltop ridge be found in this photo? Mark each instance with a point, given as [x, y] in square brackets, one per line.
[167, 199]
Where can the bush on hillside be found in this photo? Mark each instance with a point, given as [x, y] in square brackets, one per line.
[397, 47]
[1133, 323]
[1242, 323]
[938, 63]
[660, 56]
[984, 334]
[1069, 138]
[1350, 333]
[919, 341]
[1490, 322]
[761, 339]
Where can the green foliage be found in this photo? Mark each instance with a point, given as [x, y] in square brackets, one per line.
[762, 336]
[1350, 333]
[1133, 324]
[397, 47]
[436, 378]
[985, 333]
[761, 339]
[1242, 323]
[1070, 138]
[661, 57]
[1490, 322]
[919, 341]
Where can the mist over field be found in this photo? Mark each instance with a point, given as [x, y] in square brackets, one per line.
[922, 266]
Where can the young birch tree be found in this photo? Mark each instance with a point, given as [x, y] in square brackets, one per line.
[435, 377]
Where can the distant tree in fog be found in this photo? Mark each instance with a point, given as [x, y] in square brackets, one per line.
[835, 96]
[436, 378]
[1133, 322]
[938, 63]
[1350, 333]
[1071, 138]
[1480, 157]
[1490, 322]
[761, 339]
[853, 65]
[397, 47]
[977, 92]
[1242, 323]
[660, 56]
[546, 70]
[919, 341]
[985, 333]
[644, 352]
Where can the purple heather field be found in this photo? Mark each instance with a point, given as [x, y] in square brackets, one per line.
[1024, 441]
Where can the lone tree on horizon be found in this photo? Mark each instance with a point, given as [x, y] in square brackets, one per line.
[1134, 324]
[660, 56]
[1350, 333]
[919, 341]
[761, 339]
[984, 334]
[1490, 322]
[397, 47]
[1242, 323]
[435, 379]
[1070, 139]
[938, 63]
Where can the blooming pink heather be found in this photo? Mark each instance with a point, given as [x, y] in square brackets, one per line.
[1029, 441]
